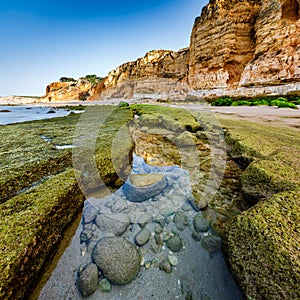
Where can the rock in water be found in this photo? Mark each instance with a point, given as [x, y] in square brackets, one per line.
[140, 187]
[211, 243]
[166, 266]
[174, 243]
[118, 259]
[142, 237]
[87, 280]
[114, 223]
[181, 220]
[200, 224]
[104, 285]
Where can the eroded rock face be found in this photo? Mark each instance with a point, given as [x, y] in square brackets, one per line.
[158, 74]
[73, 90]
[222, 43]
[277, 53]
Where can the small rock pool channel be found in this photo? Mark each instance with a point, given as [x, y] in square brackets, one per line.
[159, 235]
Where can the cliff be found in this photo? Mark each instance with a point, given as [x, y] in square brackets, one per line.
[73, 90]
[237, 48]
[222, 43]
[277, 53]
[160, 73]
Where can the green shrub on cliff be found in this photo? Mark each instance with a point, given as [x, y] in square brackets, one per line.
[93, 79]
[67, 79]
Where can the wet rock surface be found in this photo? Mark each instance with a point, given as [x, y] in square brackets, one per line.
[173, 230]
[126, 239]
[87, 281]
[118, 259]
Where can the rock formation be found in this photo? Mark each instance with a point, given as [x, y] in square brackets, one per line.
[237, 48]
[222, 43]
[73, 90]
[159, 74]
[277, 53]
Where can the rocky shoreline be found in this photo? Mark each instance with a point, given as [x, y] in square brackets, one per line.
[268, 158]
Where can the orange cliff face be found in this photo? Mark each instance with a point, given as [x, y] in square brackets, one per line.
[65, 91]
[159, 73]
[222, 43]
[277, 52]
[237, 48]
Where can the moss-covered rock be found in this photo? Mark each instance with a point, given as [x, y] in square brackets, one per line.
[262, 248]
[270, 155]
[262, 244]
[31, 224]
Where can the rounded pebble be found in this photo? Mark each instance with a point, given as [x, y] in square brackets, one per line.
[87, 280]
[200, 224]
[173, 260]
[174, 243]
[142, 237]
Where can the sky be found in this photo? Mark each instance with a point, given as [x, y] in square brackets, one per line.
[44, 40]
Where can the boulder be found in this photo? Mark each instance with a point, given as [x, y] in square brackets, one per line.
[140, 187]
[118, 259]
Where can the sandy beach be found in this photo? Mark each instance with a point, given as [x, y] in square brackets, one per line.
[283, 116]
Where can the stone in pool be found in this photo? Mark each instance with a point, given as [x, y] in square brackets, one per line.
[118, 259]
[140, 187]
[87, 280]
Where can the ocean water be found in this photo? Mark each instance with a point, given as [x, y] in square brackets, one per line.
[18, 114]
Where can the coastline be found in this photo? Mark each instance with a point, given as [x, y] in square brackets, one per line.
[263, 114]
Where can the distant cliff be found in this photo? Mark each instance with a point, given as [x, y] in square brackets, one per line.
[237, 47]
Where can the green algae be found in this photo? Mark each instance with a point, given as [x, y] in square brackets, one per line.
[262, 244]
[262, 248]
[270, 153]
[31, 224]
[25, 157]
[33, 221]
[183, 116]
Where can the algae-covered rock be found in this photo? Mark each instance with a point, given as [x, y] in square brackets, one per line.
[174, 243]
[181, 220]
[166, 266]
[258, 181]
[211, 243]
[104, 285]
[262, 244]
[262, 248]
[87, 280]
[31, 223]
[118, 259]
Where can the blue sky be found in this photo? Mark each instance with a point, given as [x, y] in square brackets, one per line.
[44, 40]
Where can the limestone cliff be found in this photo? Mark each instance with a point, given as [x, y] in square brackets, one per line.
[73, 90]
[237, 48]
[222, 43]
[277, 53]
[158, 74]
